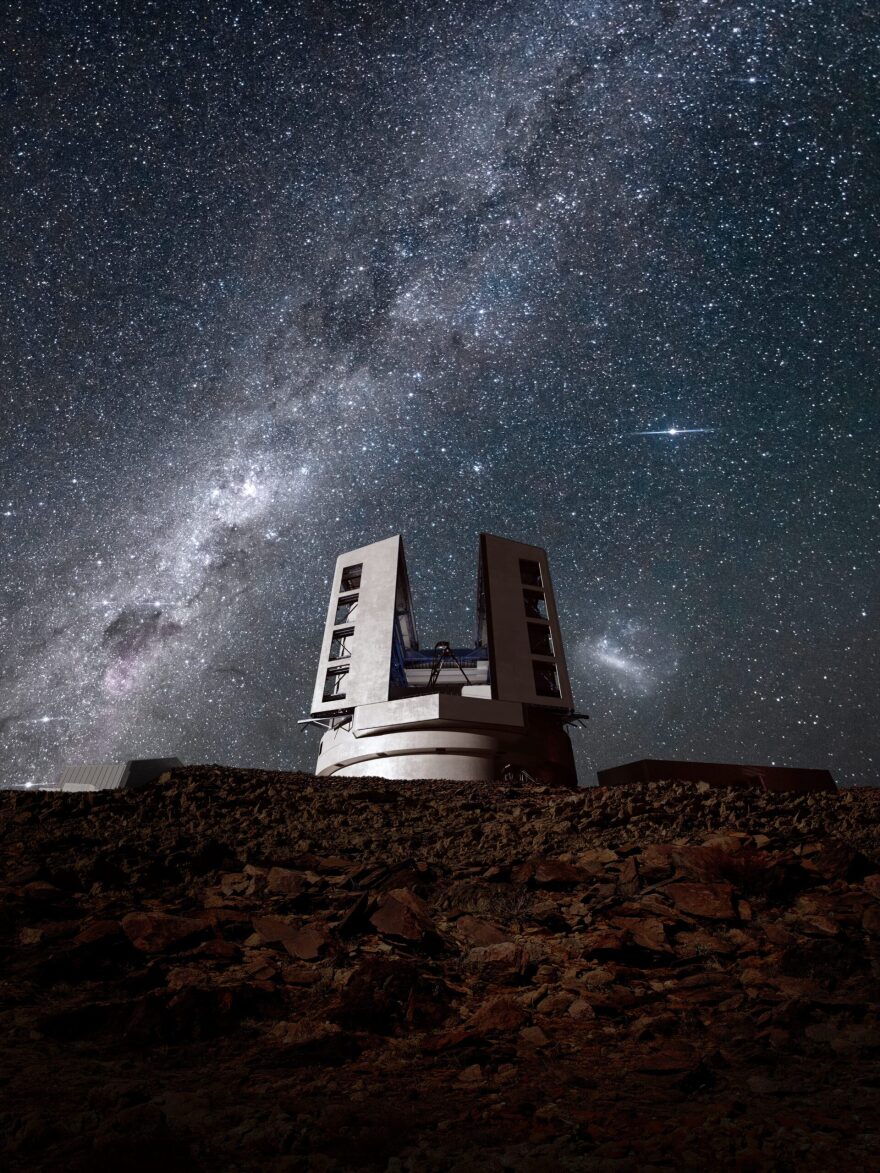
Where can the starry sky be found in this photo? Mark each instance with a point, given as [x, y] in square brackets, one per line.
[280, 280]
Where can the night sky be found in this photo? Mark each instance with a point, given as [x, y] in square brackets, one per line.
[278, 281]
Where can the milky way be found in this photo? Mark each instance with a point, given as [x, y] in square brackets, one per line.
[279, 281]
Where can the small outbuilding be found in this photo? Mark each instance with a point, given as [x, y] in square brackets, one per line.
[129, 775]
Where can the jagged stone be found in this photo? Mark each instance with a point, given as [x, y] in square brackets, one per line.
[403, 915]
[497, 1014]
[157, 932]
[508, 961]
[549, 873]
[709, 901]
[284, 882]
[271, 929]
[307, 943]
[478, 932]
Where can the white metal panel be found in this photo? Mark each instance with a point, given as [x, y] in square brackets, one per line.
[435, 709]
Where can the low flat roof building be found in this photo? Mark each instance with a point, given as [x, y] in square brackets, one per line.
[773, 778]
[128, 775]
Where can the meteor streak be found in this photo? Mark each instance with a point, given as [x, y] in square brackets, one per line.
[674, 432]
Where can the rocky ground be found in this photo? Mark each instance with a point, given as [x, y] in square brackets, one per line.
[237, 970]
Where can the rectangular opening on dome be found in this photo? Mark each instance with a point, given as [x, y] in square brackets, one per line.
[334, 684]
[351, 577]
[345, 608]
[340, 646]
[546, 679]
[535, 604]
[540, 639]
[530, 573]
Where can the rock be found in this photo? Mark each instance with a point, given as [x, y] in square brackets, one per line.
[272, 929]
[555, 1003]
[98, 930]
[236, 884]
[505, 962]
[447, 1041]
[763, 1085]
[283, 882]
[40, 893]
[156, 932]
[218, 950]
[549, 873]
[656, 861]
[533, 1036]
[307, 943]
[628, 881]
[857, 1037]
[649, 933]
[595, 861]
[778, 934]
[728, 844]
[403, 915]
[581, 1008]
[699, 943]
[710, 901]
[670, 1056]
[322, 1044]
[387, 994]
[354, 920]
[498, 1014]
[479, 932]
[122, 1138]
[836, 860]
[605, 942]
[652, 1026]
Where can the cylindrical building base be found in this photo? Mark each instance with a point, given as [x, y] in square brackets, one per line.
[542, 750]
[454, 767]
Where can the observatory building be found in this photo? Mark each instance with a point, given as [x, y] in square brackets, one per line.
[495, 710]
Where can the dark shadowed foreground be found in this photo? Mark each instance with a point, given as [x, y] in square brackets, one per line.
[242, 970]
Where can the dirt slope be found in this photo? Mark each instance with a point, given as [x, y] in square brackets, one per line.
[244, 970]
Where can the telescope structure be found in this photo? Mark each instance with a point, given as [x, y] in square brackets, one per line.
[496, 710]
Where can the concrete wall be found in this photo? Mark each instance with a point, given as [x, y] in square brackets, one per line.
[505, 593]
